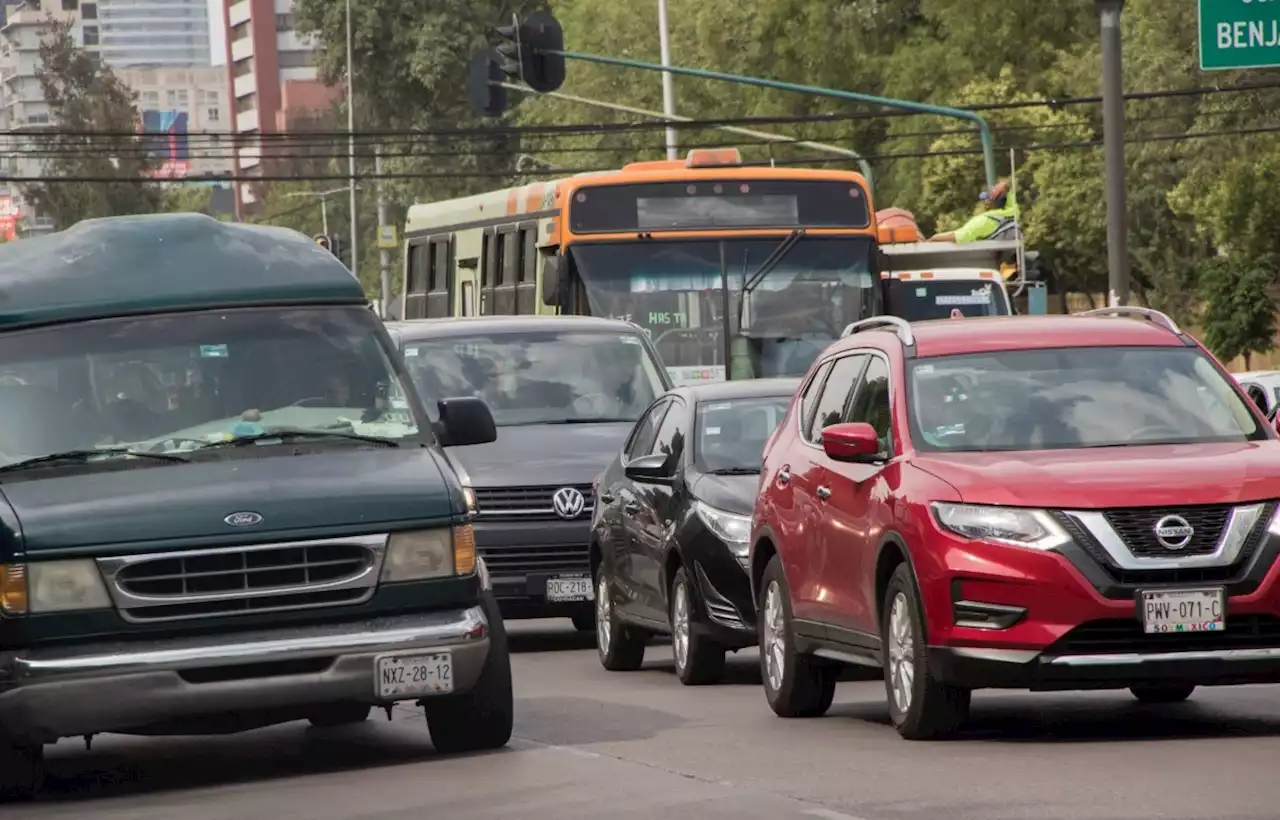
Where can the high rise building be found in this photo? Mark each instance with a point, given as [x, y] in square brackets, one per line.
[148, 33]
[187, 109]
[273, 80]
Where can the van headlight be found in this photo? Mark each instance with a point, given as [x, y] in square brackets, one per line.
[65, 586]
[419, 555]
[733, 529]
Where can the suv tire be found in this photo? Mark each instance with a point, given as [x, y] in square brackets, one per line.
[21, 771]
[699, 659]
[796, 685]
[1163, 692]
[482, 717]
[340, 714]
[619, 645]
[920, 706]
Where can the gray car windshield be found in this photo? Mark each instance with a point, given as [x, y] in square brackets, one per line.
[540, 377]
[184, 381]
[1074, 398]
[731, 434]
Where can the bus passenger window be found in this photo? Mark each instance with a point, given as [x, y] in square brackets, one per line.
[417, 282]
[468, 299]
[526, 291]
[438, 297]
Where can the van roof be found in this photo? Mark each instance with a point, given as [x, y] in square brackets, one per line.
[130, 265]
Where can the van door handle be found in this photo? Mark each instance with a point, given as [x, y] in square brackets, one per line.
[824, 493]
[631, 509]
[784, 476]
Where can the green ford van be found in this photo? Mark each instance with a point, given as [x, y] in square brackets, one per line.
[222, 505]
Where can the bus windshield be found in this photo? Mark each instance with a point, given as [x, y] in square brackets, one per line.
[917, 300]
[674, 289]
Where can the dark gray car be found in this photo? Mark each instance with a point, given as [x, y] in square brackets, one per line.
[564, 392]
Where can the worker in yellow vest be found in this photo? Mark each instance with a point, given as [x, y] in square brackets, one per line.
[1001, 206]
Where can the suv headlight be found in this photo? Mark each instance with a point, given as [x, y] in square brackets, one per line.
[419, 555]
[733, 529]
[1016, 526]
[60, 586]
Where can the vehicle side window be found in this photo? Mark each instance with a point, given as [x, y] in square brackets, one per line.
[871, 404]
[809, 396]
[671, 434]
[646, 431]
[835, 395]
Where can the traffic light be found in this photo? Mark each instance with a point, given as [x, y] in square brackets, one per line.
[323, 241]
[539, 35]
[488, 99]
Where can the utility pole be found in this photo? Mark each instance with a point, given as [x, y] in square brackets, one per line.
[668, 81]
[384, 256]
[351, 150]
[1113, 145]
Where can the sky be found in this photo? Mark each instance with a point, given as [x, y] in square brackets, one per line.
[217, 34]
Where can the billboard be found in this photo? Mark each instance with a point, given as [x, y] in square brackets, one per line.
[164, 136]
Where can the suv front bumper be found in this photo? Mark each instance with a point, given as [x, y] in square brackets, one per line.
[47, 693]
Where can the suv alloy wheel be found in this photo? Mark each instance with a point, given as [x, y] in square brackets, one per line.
[795, 685]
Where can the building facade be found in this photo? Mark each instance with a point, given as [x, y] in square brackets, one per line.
[188, 108]
[149, 33]
[273, 82]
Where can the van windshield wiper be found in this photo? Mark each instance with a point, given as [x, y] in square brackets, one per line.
[293, 435]
[85, 456]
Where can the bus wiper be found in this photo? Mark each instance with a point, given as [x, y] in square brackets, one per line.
[293, 435]
[766, 267]
[85, 456]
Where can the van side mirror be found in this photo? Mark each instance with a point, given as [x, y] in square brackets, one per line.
[856, 441]
[552, 272]
[466, 420]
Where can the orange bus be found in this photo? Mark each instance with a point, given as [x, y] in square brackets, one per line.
[734, 271]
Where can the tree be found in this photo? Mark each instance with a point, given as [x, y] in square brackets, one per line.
[1239, 316]
[95, 121]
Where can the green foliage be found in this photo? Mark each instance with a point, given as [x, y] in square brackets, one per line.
[1239, 315]
[84, 96]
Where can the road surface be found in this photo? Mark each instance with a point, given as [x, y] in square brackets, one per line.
[592, 745]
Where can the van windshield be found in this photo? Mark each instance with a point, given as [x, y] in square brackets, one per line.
[540, 377]
[185, 381]
[918, 300]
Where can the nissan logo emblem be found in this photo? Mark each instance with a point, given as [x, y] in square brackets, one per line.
[243, 519]
[568, 503]
[1174, 532]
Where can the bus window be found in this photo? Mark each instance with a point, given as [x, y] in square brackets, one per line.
[527, 289]
[438, 279]
[468, 299]
[504, 292]
[491, 252]
[417, 285]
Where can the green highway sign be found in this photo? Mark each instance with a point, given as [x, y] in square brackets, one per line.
[1239, 34]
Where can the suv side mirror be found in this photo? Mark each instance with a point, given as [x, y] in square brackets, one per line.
[856, 441]
[650, 469]
[466, 420]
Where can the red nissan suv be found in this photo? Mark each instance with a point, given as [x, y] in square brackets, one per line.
[1041, 502]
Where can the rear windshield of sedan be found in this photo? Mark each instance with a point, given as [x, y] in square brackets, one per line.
[1073, 398]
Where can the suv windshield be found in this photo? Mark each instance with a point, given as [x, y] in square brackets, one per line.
[184, 381]
[1074, 398]
[540, 377]
[917, 300]
[731, 435]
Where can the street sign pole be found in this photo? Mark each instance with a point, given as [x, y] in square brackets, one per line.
[1239, 34]
[1113, 147]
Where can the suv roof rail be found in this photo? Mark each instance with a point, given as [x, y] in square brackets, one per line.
[1134, 311]
[899, 325]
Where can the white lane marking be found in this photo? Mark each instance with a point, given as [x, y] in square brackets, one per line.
[829, 814]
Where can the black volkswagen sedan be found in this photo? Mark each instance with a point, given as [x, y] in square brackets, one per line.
[672, 513]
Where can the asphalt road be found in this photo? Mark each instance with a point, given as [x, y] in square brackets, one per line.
[594, 745]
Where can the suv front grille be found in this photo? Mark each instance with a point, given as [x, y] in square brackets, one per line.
[260, 578]
[1121, 636]
[1136, 526]
[527, 503]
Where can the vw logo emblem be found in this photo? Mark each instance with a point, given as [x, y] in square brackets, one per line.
[243, 519]
[1174, 532]
[568, 503]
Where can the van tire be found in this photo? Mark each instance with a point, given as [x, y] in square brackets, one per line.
[482, 717]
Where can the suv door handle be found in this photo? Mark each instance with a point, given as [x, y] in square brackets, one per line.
[631, 509]
[824, 493]
[784, 476]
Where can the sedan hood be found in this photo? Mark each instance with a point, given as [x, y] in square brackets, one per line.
[333, 489]
[731, 493]
[1159, 475]
[542, 454]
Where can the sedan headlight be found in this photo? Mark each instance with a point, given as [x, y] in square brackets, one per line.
[419, 555]
[65, 586]
[733, 529]
[1016, 526]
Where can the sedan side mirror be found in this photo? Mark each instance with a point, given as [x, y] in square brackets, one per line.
[466, 420]
[856, 441]
[650, 469]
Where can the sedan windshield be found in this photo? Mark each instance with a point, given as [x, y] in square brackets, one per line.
[540, 377]
[731, 435]
[1074, 398]
[184, 382]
